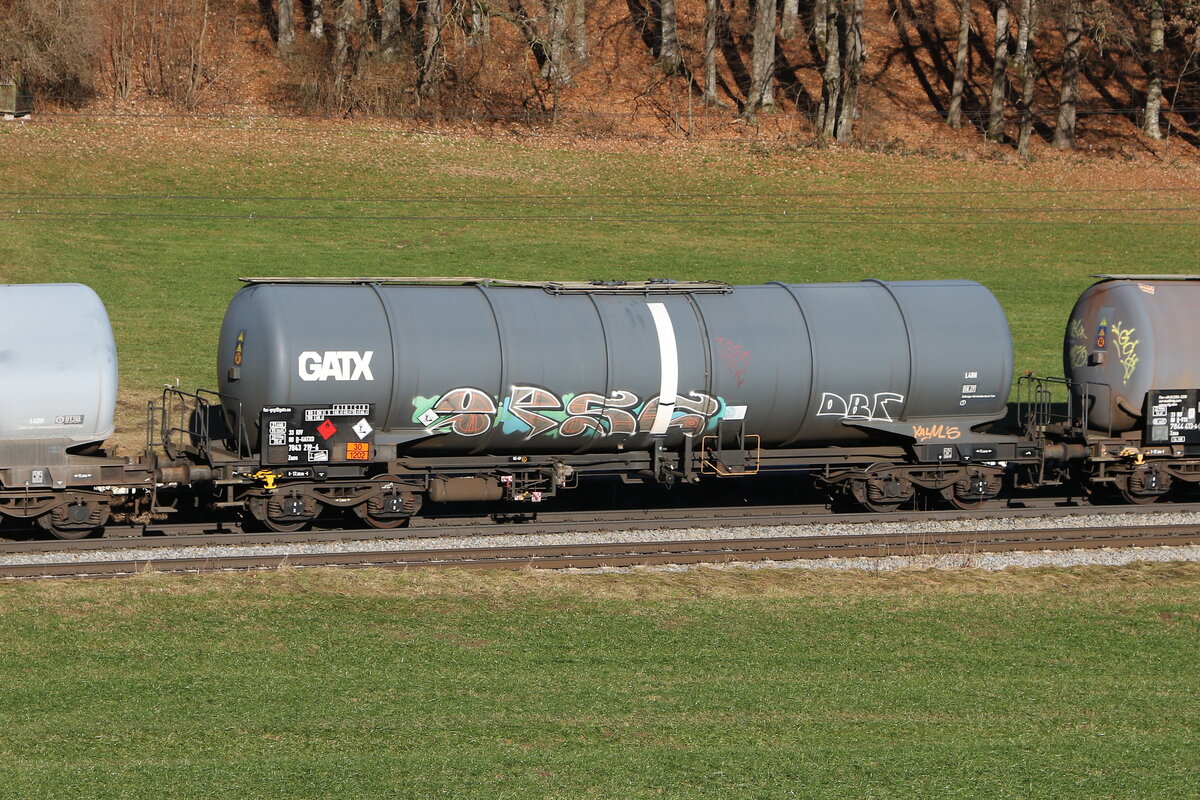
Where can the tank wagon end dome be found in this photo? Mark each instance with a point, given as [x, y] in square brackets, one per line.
[1128, 335]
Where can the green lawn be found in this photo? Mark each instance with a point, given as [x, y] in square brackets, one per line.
[1076, 684]
[162, 219]
[1050, 684]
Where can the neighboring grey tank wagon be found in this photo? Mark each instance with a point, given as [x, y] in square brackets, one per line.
[1132, 364]
[58, 390]
[59, 362]
[320, 373]
[1130, 335]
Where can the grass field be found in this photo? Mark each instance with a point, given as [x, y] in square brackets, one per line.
[161, 220]
[769, 684]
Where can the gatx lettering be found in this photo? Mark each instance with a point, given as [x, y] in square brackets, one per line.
[336, 365]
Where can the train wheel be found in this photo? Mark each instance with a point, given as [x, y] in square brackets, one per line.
[385, 524]
[879, 508]
[391, 508]
[951, 495]
[1139, 499]
[283, 514]
[77, 520]
[1144, 486]
[881, 493]
[960, 503]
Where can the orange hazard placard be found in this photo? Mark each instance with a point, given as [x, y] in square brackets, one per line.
[358, 451]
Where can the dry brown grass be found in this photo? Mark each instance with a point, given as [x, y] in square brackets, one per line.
[1047, 586]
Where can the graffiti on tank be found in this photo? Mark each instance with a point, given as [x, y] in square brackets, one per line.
[465, 411]
[924, 433]
[1077, 342]
[1126, 348]
[735, 357]
[871, 408]
[533, 411]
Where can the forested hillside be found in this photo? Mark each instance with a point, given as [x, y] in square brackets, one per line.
[1107, 74]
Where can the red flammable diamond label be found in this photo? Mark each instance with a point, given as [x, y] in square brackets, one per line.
[326, 429]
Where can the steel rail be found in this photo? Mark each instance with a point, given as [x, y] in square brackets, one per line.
[646, 553]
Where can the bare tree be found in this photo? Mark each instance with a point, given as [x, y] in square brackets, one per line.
[389, 28]
[820, 17]
[1026, 71]
[1154, 71]
[122, 36]
[789, 19]
[341, 46]
[430, 65]
[266, 10]
[557, 69]
[831, 79]
[995, 132]
[762, 59]
[954, 117]
[314, 17]
[712, 21]
[670, 60]
[579, 40]
[287, 29]
[1068, 97]
[855, 55]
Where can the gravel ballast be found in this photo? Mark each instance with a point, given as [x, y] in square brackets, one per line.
[977, 560]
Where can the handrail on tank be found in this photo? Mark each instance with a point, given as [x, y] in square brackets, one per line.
[553, 287]
[185, 424]
[1034, 403]
[241, 437]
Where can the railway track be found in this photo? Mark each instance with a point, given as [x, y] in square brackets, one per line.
[624, 554]
[232, 533]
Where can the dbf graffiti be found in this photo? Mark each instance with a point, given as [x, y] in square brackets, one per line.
[878, 407]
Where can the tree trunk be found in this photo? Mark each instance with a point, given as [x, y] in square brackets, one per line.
[820, 17]
[579, 42]
[430, 68]
[341, 47]
[831, 84]
[314, 17]
[669, 57]
[712, 19]
[999, 75]
[287, 28]
[1026, 71]
[789, 20]
[855, 55]
[474, 18]
[954, 117]
[1154, 72]
[762, 59]
[1068, 97]
[537, 44]
[557, 70]
[389, 29]
[266, 10]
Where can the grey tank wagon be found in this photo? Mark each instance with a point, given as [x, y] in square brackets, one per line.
[378, 394]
